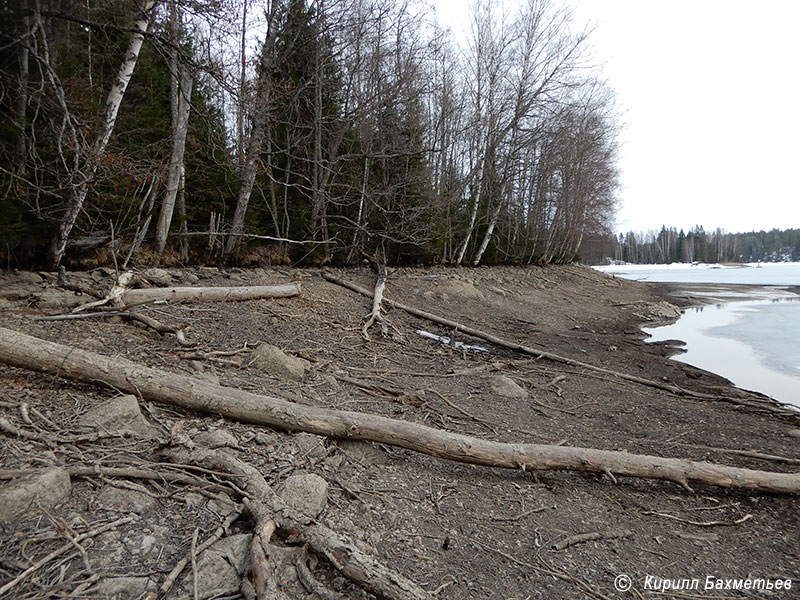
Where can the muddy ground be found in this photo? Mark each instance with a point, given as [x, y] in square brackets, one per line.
[459, 531]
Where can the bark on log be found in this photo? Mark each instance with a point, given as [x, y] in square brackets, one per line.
[454, 325]
[27, 352]
[211, 294]
[343, 554]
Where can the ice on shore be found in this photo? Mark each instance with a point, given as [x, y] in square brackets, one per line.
[783, 274]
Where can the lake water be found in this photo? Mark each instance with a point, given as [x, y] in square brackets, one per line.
[752, 340]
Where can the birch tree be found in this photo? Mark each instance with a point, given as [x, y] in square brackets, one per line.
[181, 82]
[83, 176]
[543, 57]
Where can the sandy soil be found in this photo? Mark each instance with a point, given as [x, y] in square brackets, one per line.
[459, 531]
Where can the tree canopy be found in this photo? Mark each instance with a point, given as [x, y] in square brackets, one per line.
[316, 131]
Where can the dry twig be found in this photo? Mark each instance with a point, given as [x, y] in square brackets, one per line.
[590, 537]
[59, 551]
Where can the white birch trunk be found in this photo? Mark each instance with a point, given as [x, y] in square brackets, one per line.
[180, 127]
[475, 203]
[489, 231]
[361, 202]
[89, 168]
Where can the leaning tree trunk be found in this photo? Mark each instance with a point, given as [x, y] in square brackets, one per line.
[27, 352]
[180, 127]
[475, 203]
[259, 115]
[90, 164]
[489, 232]
[145, 208]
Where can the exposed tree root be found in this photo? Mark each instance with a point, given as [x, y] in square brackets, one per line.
[31, 353]
[271, 511]
[377, 298]
[591, 537]
[61, 550]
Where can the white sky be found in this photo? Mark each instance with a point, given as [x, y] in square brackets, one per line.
[710, 94]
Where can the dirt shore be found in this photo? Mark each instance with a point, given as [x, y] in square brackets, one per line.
[458, 531]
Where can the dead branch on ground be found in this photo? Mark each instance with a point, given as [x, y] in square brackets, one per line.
[27, 352]
[266, 506]
[453, 325]
[124, 299]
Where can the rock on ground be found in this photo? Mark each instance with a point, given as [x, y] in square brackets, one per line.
[279, 364]
[306, 493]
[217, 438]
[362, 452]
[120, 415]
[310, 445]
[158, 277]
[125, 500]
[460, 290]
[45, 488]
[219, 568]
[125, 587]
[507, 387]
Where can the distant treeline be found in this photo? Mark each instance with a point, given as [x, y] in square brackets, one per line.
[671, 245]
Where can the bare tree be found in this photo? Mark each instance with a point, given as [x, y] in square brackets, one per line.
[181, 82]
[540, 56]
[89, 162]
[259, 116]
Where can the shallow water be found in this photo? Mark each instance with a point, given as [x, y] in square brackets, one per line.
[752, 339]
[752, 343]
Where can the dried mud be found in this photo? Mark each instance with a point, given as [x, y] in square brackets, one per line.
[459, 531]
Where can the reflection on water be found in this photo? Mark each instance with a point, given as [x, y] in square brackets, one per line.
[752, 343]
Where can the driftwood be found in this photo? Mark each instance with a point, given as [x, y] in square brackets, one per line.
[375, 315]
[767, 406]
[113, 297]
[210, 294]
[20, 350]
[124, 298]
[270, 512]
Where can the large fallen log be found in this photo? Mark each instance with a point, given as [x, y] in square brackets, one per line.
[767, 406]
[27, 352]
[210, 294]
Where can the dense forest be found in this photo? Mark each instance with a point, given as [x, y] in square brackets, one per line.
[670, 246]
[299, 131]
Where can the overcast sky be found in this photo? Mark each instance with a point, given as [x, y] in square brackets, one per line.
[710, 94]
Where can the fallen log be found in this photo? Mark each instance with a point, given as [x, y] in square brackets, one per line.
[210, 294]
[267, 506]
[27, 352]
[489, 337]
